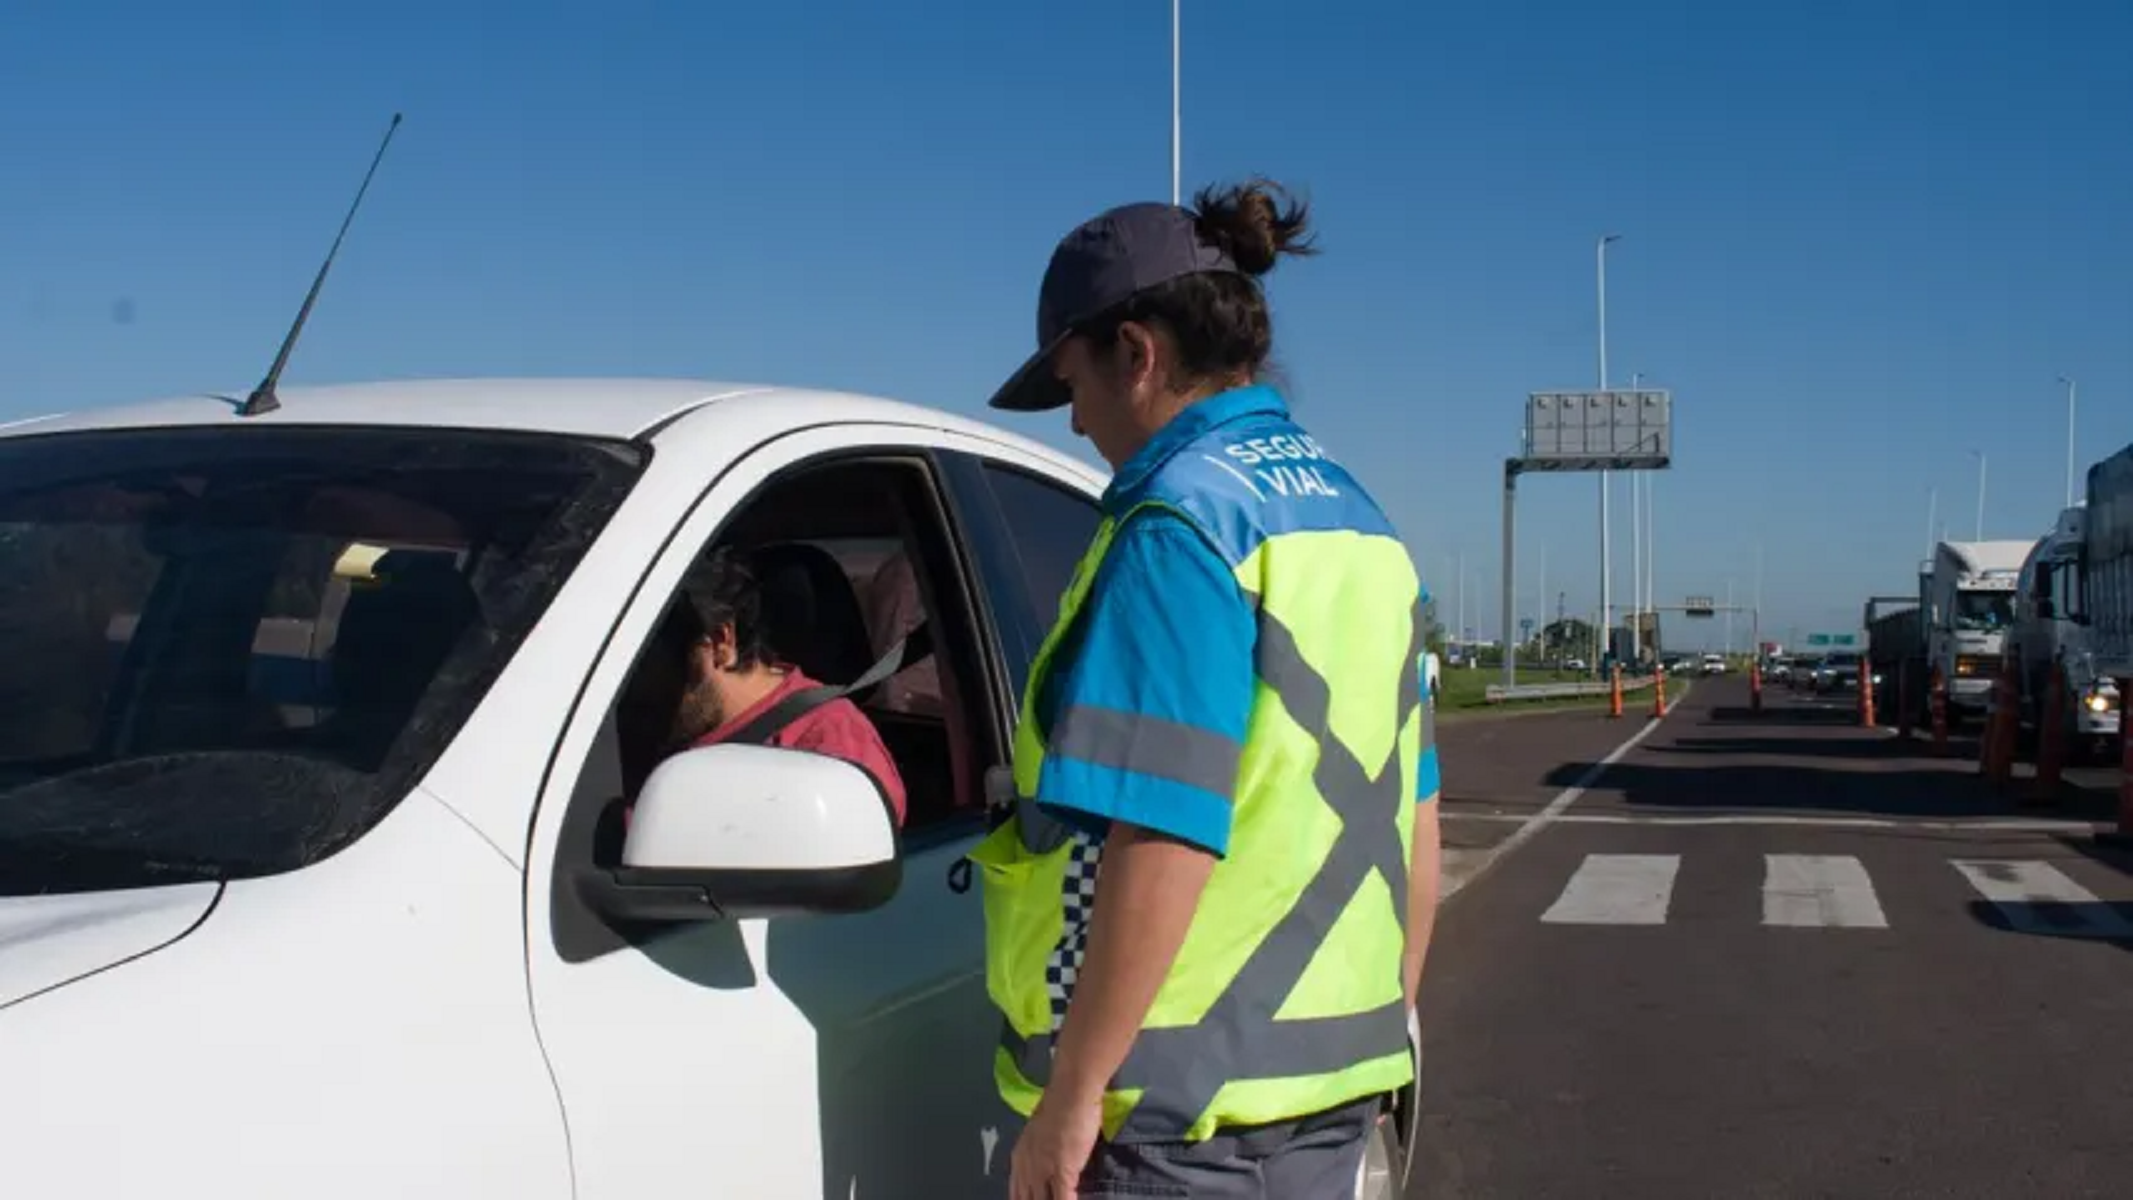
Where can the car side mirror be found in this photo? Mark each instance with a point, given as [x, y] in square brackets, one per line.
[732, 832]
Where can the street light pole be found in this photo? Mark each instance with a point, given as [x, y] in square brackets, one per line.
[1604, 636]
[2069, 440]
[1932, 517]
[1638, 597]
[1980, 536]
[1177, 130]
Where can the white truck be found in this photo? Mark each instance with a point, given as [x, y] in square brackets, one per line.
[2106, 566]
[1968, 600]
[2047, 631]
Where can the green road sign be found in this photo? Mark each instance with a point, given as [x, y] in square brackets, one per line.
[1832, 639]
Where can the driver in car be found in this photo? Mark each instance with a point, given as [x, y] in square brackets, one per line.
[733, 687]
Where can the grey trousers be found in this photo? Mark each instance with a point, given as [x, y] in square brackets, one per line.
[1316, 1158]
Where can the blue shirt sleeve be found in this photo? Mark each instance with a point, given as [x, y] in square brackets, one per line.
[1147, 714]
[1429, 774]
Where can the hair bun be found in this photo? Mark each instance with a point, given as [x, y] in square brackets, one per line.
[1254, 223]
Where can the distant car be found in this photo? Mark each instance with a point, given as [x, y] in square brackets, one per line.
[1802, 675]
[1714, 664]
[1839, 673]
[1778, 670]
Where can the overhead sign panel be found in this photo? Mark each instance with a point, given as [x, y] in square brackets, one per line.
[1832, 639]
[1700, 606]
[1618, 429]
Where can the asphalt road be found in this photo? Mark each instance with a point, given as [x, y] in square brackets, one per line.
[1768, 954]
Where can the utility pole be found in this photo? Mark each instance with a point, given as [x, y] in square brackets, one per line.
[1603, 634]
[2069, 440]
[1177, 127]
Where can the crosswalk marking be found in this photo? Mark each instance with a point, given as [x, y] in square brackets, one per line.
[1819, 891]
[2037, 897]
[1835, 891]
[1617, 889]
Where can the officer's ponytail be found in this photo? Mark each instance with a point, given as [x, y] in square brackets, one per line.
[1254, 223]
[1218, 320]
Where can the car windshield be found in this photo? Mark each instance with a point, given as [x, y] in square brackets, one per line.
[1984, 610]
[230, 652]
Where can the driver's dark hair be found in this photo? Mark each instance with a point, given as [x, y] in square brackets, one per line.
[1218, 320]
[723, 589]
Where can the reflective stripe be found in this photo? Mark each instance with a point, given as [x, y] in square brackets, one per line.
[1171, 750]
[1294, 1048]
[1181, 1070]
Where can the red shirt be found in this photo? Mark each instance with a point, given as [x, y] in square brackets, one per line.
[837, 729]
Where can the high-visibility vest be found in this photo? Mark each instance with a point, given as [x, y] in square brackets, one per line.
[1286, 997]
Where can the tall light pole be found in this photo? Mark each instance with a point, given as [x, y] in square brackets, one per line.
[1980, 495]
[2069, 440]
[1729, 614]
[1756, 651]
[1604, 635]
[1637, 596]
[1541, 603]
[1651, 551]
[1177, 126]
[1932, 518]
[1462, 597]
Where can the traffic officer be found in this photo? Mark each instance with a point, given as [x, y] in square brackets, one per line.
[1205, 924]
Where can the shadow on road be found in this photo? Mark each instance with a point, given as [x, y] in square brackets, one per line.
[1858, 776]
[1686, 785]
[2116, 858]
[1786, 747]
[2088, 922]
[1784, 715]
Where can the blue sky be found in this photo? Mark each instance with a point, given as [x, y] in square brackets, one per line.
[1858, 241]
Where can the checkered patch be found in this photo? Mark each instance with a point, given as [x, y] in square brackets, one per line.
[1078, 895]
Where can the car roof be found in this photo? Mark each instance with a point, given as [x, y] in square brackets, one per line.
[584, 407]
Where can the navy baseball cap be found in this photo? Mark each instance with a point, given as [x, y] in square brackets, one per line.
[1097, 267]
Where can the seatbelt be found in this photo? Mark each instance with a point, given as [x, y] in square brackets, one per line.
[908, 649]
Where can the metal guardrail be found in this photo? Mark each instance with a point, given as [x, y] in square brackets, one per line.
[1497, 693]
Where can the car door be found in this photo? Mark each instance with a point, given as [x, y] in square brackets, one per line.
[796, 1056]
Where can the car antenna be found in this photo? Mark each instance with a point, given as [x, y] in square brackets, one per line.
[263, 399]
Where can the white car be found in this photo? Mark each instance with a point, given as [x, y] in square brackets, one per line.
[316, 730]
[1714, 664]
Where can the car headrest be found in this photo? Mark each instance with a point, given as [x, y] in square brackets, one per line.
[397, 629]
[811, 614]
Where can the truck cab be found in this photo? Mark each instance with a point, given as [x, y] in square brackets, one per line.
[1968, 599]
[2047, 633]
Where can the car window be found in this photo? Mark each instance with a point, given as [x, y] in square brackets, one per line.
[868, 563]
[227, 654]
[1050, 527]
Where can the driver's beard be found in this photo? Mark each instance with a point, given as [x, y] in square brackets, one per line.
[700, 712]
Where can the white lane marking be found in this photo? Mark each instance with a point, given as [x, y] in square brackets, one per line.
[1819, 891]
[2029, 825]
[1553, 812]
[1617, 889]
[2037, 897]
